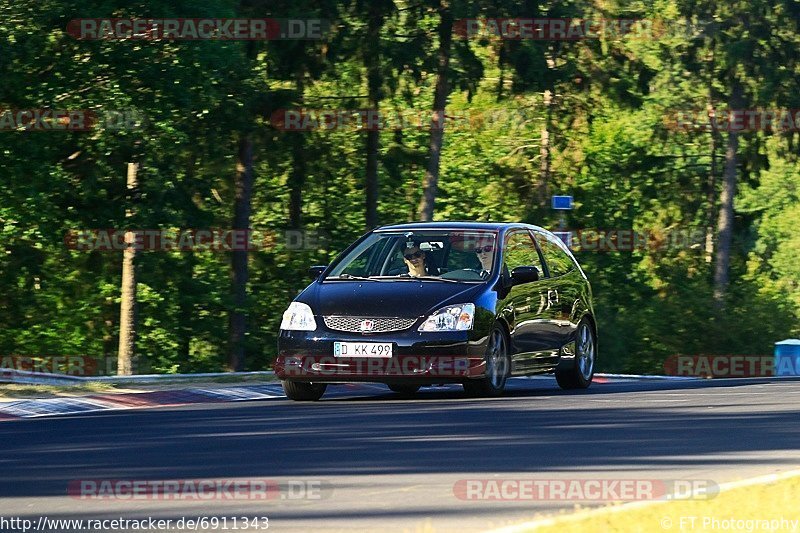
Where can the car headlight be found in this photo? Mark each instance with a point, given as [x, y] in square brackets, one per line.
[450, 318]
[298, 317]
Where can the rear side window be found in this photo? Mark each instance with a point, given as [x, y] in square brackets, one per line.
[558, 262]
[520, 251]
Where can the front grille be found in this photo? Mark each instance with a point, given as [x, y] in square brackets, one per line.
[353, 324]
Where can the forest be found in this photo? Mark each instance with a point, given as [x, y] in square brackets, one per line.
[673, 124]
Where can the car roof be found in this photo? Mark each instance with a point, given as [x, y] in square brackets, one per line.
[459, 225]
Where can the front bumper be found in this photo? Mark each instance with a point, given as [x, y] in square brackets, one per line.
[417, 357]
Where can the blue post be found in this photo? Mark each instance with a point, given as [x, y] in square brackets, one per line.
[787, 357]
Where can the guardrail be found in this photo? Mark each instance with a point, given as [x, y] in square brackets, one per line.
[8, 375]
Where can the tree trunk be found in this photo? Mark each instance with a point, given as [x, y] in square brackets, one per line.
[185, 267]
[186, 309]
[725, 220]
[712, 175]
[544, 151]
[297, 176]
[501, 63]
[431, 182]
[372, 64]
[711, 195]
[371, 185]
[127, 312]
[243, 183]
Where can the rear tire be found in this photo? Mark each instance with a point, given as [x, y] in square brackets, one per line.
[580, 374]
[498, 367]
[405, 390]
[304, 392]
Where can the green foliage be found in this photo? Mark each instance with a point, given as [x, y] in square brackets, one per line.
[611, 146]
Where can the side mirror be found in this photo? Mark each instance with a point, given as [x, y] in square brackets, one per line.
[316, 270]
[524, 274]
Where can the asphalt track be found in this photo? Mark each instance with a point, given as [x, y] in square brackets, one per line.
[390, 464]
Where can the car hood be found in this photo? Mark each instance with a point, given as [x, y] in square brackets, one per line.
[395, 299]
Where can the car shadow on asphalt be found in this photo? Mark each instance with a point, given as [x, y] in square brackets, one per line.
[525, 388]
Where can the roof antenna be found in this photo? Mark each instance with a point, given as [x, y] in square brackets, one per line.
[409, 235]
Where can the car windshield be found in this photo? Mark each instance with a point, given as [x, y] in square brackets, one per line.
[456, 255]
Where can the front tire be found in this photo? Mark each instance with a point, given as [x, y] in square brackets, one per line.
[498, 367]
[303, 392]
[580, 374]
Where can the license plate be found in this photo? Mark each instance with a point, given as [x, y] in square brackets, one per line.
[362, 349]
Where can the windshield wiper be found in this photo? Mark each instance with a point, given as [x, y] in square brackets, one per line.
[350, 276]
[435, 278]
[408, 277]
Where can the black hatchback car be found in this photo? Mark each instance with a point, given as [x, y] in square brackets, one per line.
[441, 302]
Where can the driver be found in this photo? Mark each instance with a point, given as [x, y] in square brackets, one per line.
[414, 258]
[485, 253]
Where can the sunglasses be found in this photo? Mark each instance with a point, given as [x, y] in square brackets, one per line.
[484, 249]
[413, 256]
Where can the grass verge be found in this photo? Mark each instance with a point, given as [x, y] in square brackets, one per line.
[23, 391]
[753, 508]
